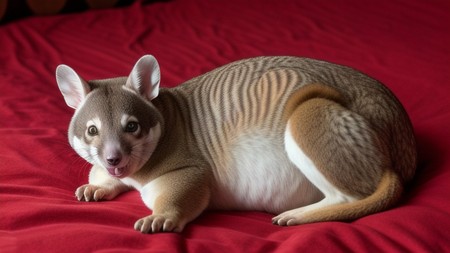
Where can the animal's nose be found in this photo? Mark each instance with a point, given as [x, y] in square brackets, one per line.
[114, 160]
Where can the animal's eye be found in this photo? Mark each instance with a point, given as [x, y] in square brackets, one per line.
[131, 127]
[92, 130]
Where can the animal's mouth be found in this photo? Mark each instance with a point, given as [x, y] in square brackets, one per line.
[117, 172]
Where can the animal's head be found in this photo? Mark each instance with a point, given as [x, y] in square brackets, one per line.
[115, 125]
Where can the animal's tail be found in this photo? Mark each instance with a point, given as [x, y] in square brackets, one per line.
[387, 193]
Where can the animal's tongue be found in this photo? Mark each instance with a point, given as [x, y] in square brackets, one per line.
[115, 171]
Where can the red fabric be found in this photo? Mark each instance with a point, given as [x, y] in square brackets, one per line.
[403, 43]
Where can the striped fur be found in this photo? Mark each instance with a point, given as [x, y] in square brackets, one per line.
[306, 139]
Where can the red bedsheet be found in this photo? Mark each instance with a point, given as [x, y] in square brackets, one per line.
[403, 43]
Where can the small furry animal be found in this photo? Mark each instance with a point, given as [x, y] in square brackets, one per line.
[307, 140]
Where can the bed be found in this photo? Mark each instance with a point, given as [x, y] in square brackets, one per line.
[402, 43]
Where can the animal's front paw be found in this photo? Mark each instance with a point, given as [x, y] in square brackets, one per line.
[90, 192]
[159, 223]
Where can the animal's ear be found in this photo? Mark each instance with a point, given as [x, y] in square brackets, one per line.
[145, 77]
[72, 86]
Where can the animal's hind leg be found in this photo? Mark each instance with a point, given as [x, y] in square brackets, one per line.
[337, 151]
[300, 215]
[332, 196]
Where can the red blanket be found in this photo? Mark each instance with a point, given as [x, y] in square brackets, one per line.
[403, 43]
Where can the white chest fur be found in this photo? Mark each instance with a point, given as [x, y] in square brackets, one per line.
[149, 192]
[133, 183]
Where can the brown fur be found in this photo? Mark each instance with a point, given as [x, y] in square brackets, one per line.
[360, 169]
[352, 163]
[387, 193]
